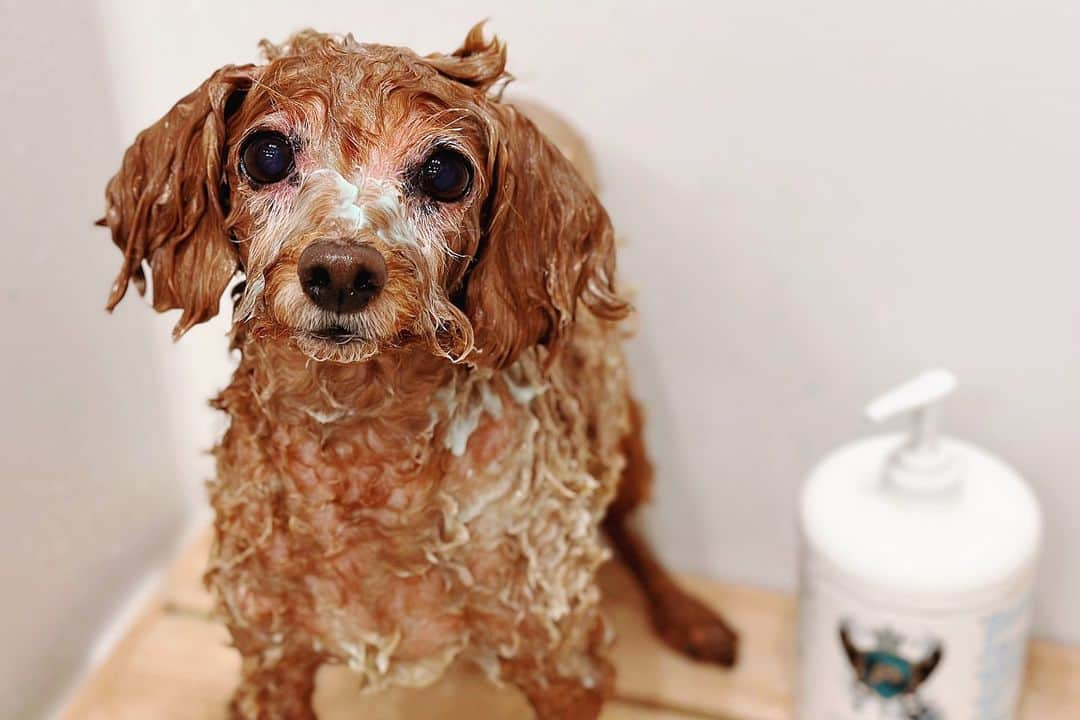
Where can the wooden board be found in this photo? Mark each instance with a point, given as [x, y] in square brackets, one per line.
[174, 664]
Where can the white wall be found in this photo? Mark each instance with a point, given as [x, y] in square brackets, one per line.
[820, 198]
[89, 496]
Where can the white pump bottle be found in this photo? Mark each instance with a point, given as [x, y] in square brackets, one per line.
[919, 555]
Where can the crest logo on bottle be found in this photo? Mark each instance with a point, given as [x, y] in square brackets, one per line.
[883, 674]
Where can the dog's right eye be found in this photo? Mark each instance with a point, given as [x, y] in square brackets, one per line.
[267, 158]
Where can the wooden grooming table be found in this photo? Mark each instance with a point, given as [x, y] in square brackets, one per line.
[174, 664]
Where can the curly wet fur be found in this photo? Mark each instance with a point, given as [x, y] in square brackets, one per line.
[427, 484]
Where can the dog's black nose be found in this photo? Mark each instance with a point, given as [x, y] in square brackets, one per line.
[340, 276]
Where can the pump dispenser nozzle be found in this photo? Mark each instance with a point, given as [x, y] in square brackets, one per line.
[923, 463]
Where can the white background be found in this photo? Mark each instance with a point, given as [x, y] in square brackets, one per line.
[818, 198]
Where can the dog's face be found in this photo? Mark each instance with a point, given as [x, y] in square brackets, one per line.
[357, 180]
[371, 198]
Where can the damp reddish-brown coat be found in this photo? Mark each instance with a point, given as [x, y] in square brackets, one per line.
[430, 487]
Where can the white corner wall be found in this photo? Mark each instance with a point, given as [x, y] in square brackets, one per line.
[819, 199]
[90, 497]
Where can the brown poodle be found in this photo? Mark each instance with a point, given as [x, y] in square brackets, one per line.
[431, 420]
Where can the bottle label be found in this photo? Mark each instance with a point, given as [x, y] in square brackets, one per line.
[872, 661]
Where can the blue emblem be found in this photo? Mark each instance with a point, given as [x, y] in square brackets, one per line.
[884, 673]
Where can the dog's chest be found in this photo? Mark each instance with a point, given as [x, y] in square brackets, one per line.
[382, 520]
[456, 443]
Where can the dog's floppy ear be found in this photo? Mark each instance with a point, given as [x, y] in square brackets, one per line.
[547, 246]
[167, 205]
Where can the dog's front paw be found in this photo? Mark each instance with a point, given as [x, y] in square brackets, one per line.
[291, 711]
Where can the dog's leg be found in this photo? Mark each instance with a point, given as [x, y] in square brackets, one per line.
[556, 697]
[274, 686]
[682, 621]
[559, 698]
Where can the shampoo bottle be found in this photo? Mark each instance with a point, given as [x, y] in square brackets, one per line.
[918, 558]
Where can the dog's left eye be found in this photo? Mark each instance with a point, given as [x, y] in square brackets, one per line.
[266, 158]
[445, 175]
